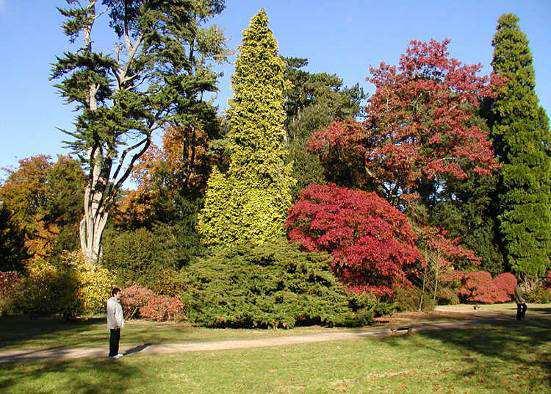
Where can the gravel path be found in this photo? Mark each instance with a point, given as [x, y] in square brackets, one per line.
[61, 353]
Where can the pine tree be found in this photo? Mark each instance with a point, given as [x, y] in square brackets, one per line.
[522, 139]
[248, 203]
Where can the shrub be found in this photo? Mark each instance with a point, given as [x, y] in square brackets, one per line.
[506, 282]
[481, 288]
[141, 302]
[138, 256]
[538, 294]
[410, 298]
[47, 290]
[372, 243]
[275, 285]
[538, 291]
[162, 308]
[133, 298]
[8, 285]
[71, 288]
[94, 282]
[446, 296]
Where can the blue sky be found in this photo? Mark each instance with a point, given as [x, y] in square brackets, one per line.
[338, 36]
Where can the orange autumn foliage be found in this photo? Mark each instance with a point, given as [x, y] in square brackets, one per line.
[179, 165]
[43, 197]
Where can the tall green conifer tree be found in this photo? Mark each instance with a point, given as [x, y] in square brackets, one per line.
[522, 141]
[248, 203]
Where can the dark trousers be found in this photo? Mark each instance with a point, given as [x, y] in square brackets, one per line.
[521, 311]
[114, 338]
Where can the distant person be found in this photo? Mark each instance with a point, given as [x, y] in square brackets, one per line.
[115, 321]
[521, 303]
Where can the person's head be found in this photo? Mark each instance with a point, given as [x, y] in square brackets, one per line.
[116, 292]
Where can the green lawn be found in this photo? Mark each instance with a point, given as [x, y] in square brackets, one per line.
[503, 357]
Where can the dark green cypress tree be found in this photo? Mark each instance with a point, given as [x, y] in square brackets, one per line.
[522, 138]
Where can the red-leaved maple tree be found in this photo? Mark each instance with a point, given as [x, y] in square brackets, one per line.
[372, 243]
[420, 127]
[446, 252]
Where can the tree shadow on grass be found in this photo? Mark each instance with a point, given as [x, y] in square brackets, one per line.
[82, 376]
[493, 351]
[18, 330]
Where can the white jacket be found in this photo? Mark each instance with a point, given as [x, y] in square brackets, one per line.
[115, 317]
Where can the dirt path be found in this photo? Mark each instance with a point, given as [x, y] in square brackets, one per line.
[396, 327]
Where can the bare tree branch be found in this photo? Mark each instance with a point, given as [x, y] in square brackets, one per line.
[130, 166]
[123, 156]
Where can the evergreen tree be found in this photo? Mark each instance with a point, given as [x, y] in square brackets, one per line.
[249, 202]
[522, 138]
[159, 69]
[466, 211]
[312, 102]
[12, 242]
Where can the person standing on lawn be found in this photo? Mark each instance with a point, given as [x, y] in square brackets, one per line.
[521, 303]
[115, 321]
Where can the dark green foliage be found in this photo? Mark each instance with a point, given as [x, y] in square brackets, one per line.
[467, 211]
[274, 285]
[150, 257]
[522, 141]
[312, 102]
[12, 243]
[65, 180]
[65, 184]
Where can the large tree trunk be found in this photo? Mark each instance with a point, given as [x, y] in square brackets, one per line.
[95, 209]
[95, 215]
[91, 228]
[102, 185]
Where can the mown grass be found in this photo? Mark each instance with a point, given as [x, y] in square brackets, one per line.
[503, 357]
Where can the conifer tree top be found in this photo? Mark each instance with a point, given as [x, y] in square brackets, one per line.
[511, 51]
[256, 114]
[508, 20]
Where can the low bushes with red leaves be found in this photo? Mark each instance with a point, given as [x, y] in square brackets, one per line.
[133, 298]
[480, 287]
[371, 242]
[506, 282]
[138, 301]
[162, 308]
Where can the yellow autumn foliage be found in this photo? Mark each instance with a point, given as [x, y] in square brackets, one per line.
[73, 287]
